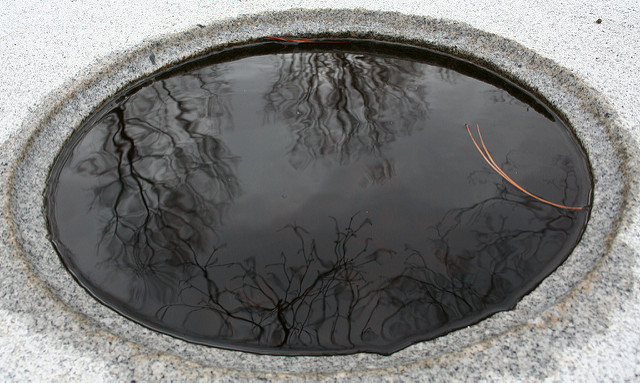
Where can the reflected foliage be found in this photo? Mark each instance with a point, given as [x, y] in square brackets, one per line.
[166, 178]
[344, 106]
[152, 230]
[362, 297]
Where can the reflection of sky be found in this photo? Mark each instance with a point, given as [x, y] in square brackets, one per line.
[435, 169]
[434, 172]
[433, 166]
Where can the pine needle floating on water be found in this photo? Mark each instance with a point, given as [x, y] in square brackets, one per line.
[487, 157]
[301, 40]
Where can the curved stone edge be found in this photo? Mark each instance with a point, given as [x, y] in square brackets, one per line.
[27, 155]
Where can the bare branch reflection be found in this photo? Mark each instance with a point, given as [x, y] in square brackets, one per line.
[166, 177]
[344, 106]
[359, 296]
[178, 246]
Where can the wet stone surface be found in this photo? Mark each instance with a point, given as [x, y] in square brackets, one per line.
[317, 198]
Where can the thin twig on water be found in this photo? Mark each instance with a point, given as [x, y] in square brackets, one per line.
[487, 157]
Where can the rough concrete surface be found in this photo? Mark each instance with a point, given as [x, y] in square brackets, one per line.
[61, 60]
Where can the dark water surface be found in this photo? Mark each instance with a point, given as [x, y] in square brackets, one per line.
[316, 198]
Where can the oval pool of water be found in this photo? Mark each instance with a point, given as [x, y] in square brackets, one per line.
[318, 198]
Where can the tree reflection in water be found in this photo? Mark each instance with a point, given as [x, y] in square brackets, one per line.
[162, 182]
[362, 297]
[344, 106]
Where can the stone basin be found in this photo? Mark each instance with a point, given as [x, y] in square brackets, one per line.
[580, 323]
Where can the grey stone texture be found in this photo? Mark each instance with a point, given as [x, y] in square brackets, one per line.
[62, 60]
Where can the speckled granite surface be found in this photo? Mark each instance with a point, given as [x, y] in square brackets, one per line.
[61, 60]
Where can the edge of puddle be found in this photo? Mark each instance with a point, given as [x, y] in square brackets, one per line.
[27, 156]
